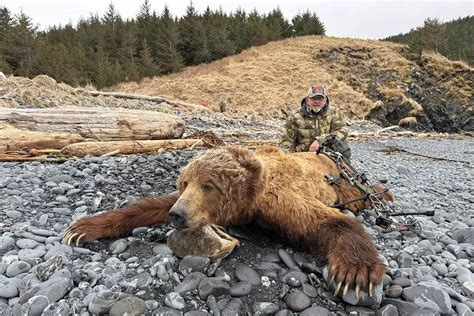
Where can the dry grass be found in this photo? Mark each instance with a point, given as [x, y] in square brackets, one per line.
[262, 80]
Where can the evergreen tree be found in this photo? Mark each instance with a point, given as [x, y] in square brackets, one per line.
[257, 30]
[148, 67]
[167, 55]
[6, 25]
[452, 39]
[307, 24]
[21, 45]
[218, 35]
[192, 43]
[278, 26]
[432, 32]
[238, 32]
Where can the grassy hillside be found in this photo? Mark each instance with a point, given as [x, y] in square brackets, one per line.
[363, 77]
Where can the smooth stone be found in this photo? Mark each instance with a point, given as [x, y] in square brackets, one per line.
[162, 249]
[233, 307]
[241, 289]
[17, 268]
[428, 297]
[387, 310]
[190, 282]
[166, 311]
[315, 310]
[118, 246]
[174, 300]
[310, 290]
[265, 308]
[463, 310]
[394, 291]
[14, 214]
[6, 243]
[24, 243]
[407, 308]
[35, 305]
[56, 309]
[194, 264]
[5, 310]
[102, 302]
[9, 287]
[297, 301]
[465, 235]
[271, 257]
[53, 289]
[360, 311]
[245, 273]
[402, 281]
[440, 268]
[212, 286]
[287, 258]
[139, 281]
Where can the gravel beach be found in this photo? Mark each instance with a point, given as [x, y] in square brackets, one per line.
[430, 269]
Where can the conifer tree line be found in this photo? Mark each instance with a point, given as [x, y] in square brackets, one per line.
[453, 39]
[105, 50]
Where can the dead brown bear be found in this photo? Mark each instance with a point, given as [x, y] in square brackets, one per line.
[283, 192]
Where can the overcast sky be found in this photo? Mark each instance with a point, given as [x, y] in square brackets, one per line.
[342, 18]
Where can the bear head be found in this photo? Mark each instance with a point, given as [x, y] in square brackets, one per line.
[217, 187]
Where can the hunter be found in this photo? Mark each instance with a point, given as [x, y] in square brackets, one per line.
[315, 122]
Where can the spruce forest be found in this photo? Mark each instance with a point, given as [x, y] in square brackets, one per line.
[105, 50]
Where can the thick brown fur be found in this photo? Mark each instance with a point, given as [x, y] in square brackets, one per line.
[287, 193]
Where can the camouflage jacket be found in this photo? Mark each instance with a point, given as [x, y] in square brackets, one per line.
[304, 127]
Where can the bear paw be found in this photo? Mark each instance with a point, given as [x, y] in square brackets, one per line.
[84, 230]
[348, 272]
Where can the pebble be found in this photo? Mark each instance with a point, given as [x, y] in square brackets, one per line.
[245, 273]
[298, 301]
[241, 289]
[265, 308]
[194, 263]
[212, 286]
[174, 300]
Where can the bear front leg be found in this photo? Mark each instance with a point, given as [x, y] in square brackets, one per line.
[118, 223]
[353, 260]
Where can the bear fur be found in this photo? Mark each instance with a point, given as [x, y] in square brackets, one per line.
[282, 192]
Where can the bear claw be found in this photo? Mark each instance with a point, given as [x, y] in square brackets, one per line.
[70, 235]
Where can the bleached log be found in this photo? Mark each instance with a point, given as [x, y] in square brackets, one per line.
[96, 123]
[12, 139]
[128, 147]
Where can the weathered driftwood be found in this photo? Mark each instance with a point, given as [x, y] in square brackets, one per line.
[128, 147]
[12, 139]
[96, 123]
[131, 96]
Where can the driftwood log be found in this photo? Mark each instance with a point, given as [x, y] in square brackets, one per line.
[57, 127]
[12, 139]
[128, 147]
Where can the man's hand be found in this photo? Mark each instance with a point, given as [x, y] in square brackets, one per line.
[314, 146]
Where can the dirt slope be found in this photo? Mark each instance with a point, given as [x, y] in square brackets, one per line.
[360, 75]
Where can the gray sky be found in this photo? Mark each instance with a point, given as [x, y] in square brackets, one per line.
[342, 18]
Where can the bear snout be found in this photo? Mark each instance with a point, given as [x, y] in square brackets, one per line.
[178, 216]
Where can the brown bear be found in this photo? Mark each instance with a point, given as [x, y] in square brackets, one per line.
[286, 193]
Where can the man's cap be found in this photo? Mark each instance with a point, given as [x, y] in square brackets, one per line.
[316, 90]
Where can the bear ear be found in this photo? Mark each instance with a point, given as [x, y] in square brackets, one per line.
[246, 159]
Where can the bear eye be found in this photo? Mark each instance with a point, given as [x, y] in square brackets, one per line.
[206, 188]
[185, 184]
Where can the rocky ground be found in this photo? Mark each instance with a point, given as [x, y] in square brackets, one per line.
[430, 269]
